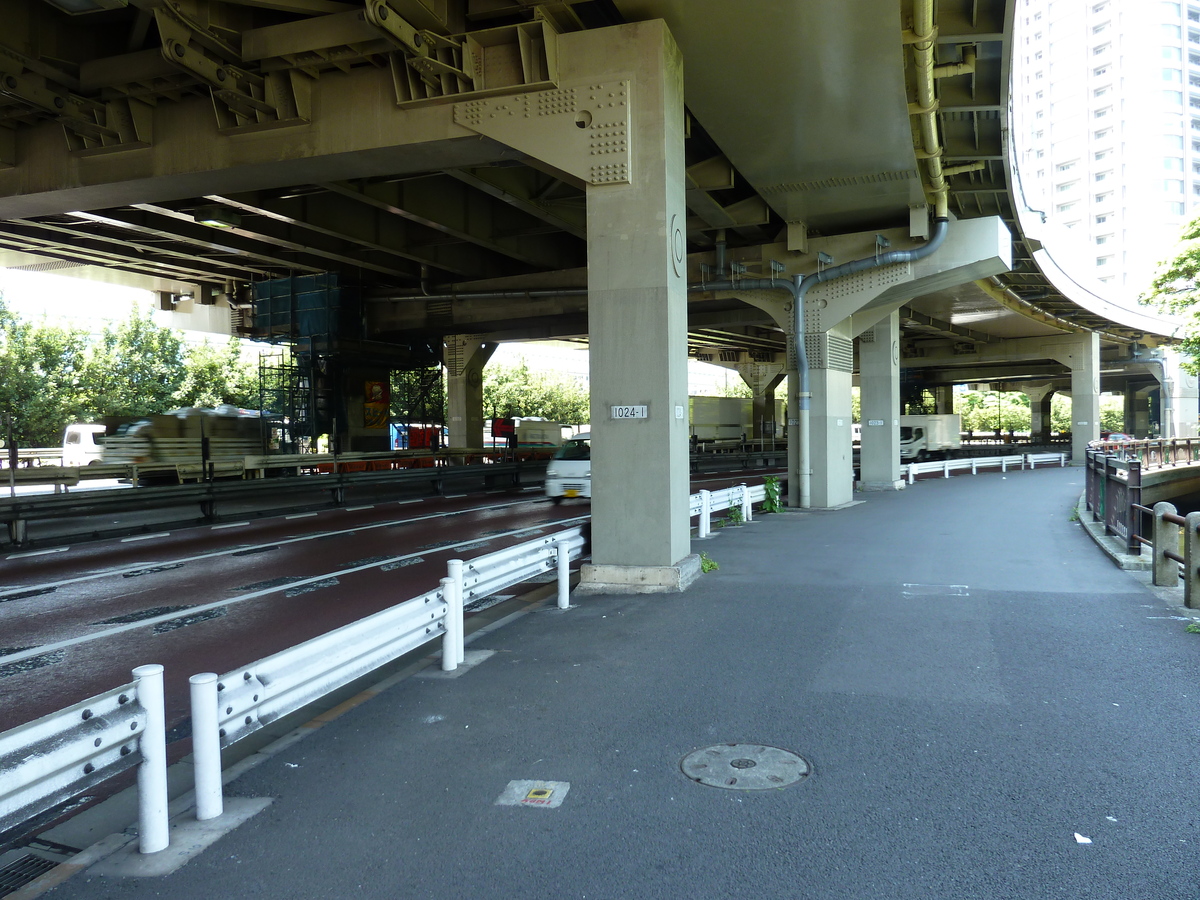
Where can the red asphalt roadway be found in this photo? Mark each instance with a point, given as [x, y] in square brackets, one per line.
[75, 620]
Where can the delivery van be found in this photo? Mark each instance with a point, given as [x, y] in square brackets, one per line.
[569, 473]
[82, 445]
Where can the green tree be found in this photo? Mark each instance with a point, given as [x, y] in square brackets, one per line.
[214, 375]
[40, 368]
[135, 369]
[518, 391]
[1175, 289]
[984, 411]
[419, 396]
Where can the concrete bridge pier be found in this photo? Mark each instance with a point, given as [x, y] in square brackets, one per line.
[1041, 398]
[762, 379]
[879, 382]
[465, 356]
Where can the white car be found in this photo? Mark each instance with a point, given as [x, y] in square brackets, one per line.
[569, 473]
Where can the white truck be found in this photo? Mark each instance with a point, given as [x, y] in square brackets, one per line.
[929, 437]
[569, 473]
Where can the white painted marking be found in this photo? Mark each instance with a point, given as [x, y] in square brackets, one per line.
[230, 525]
[145, 537]
[301, 516]
[37, 553]
[1079, 838]
[359, 508]
[254, 595]
[120, 570]
[935, 590]
[453, 496]
[406, 502]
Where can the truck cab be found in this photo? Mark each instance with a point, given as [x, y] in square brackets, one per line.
[82, 445]
[569, 473]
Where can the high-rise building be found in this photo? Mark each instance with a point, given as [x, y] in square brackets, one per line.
[1107, 144]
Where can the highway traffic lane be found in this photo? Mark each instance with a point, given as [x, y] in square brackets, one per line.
[214, 636]
[20, 568]
[78, 610]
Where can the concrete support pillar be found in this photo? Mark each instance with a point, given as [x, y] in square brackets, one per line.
[879, 383]
[831, 444]
[762, 379]
[1180, 409]
[1141, 412]
[944, 395]
[1041, 396]
[1084, 360]
[1129, 413]
[465, 356]
[637, 329]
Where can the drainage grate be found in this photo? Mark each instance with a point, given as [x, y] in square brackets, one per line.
[23, 870]
[745, 767]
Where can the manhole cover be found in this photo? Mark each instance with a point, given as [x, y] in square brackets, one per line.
[744, 767]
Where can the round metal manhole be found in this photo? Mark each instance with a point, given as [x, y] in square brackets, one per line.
[745, 767]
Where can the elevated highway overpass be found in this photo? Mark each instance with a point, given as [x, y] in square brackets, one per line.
[658, 177]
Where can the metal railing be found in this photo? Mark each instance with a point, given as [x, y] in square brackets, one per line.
[946, 466]
[740, 496]
[47, 762]
[1113, 494]
[1156, 453]
[1169, 565]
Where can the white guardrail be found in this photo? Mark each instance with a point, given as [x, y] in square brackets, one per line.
[946, 466]
[46, 762]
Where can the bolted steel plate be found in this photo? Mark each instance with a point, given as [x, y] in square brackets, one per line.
[744, 767]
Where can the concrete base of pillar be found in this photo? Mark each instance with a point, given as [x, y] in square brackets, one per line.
[595, 579]
[898, 485]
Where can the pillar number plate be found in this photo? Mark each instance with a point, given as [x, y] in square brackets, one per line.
[631, 412]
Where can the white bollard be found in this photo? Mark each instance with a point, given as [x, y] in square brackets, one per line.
[747, 506]
[206, 746]
[154, 830]
[564, 574]
[946, 469]
[449, 638]
[974, 470]
[454, 568]
[911, 476]
[705, 524]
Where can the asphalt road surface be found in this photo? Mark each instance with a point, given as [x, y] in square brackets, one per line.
[988, 709]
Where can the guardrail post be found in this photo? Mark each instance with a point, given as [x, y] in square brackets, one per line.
[747, 506]
[1165, 536]
[206, 746]
[911, 475]
[946, 469]
[449, 639]
[564, 574]
[1191, 560]
[154, 832]
[974, 469]
[1004, 464]
[454, 568]
[705, 523]
[1062, 460]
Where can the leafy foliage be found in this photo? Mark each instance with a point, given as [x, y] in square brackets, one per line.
[40, 371]
[135, 369]
[517, 391]
[1175, 289]
[772, 502]
[707, 563]
[216, 375]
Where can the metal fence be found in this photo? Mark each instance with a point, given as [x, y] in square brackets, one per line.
[1113, 494]
[1153, 454]
[48, 761]
[945, 467]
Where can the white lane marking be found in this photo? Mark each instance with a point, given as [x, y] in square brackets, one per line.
[37, 553]
[453, 496]
[145, 537]
[359, 508]
[120, 570]
[230, 525]
[301, 516]
[253, 595]
[406, 502]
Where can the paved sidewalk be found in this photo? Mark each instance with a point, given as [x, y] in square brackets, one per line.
[989, 707]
